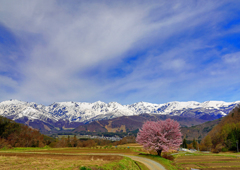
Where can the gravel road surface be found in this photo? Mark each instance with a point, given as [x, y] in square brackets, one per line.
[152, 165]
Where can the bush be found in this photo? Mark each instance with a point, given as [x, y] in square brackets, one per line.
[218, 148]
[215, 151]
[224, 149]
[7, 147]
[168, 156]
[152, 152]
[46, 147]
[4, 144]
[84, 168]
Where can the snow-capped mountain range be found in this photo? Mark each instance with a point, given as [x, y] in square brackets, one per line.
[86, 112]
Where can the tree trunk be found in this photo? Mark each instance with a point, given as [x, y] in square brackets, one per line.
[159, 152]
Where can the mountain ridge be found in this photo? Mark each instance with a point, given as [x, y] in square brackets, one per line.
[72, 114]
[80, 111]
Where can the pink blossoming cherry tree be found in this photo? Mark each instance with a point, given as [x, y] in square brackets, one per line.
[160, 135]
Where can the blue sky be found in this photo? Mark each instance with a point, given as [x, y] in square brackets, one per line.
[123, 51]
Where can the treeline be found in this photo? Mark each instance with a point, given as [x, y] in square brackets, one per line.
[14, 134]
[105, 134]
[194, 144]
[226, 135]
[74, 142]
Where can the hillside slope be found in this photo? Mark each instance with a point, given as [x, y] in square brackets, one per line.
[198, 132]
[190, 127]
[132, 123]
[226, 133]
[14, 134]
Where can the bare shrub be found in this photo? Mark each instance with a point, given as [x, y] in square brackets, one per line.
[168, 156]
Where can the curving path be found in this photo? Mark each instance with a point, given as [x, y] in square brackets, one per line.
[152, 165]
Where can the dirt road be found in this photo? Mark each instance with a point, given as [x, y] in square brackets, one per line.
[152, 165]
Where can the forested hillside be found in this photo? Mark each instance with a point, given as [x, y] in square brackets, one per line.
[198, 132]
[14, 134]
[226, 134]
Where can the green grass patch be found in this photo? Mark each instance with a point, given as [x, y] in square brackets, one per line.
[165, 162]
[141, 166]
[123, 164]
[84, 168]
[26, 148]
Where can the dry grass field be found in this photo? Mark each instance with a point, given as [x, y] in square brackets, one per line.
[67, 158]
[131, 145]
[88, 150]
[105, 158]
[208, 161]
[52, 161]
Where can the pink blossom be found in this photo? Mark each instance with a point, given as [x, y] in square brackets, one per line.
[160, 135]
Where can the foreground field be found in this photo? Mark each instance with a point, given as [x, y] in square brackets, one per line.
[51, 161]
[208, 161]
[108, 158]
[69, 158]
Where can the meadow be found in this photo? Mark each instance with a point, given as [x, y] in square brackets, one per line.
[208, 161]
[69, 158]
[108, 158]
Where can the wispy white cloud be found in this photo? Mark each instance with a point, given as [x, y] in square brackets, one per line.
[232, 58]
[66, 50]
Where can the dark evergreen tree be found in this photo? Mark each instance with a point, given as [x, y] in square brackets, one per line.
[184, 145]
[75, 141]
[194, 144]
[68, 142]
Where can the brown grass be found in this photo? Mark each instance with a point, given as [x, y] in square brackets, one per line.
[52, 161]
[134, 145]
[208, 162]
[226, 164]
[87, 150]
[60, 158]
[186, 159]
[189, 166]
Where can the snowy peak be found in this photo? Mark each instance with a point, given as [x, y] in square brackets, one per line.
[84, 112]
[12, 102]
[218, 104]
